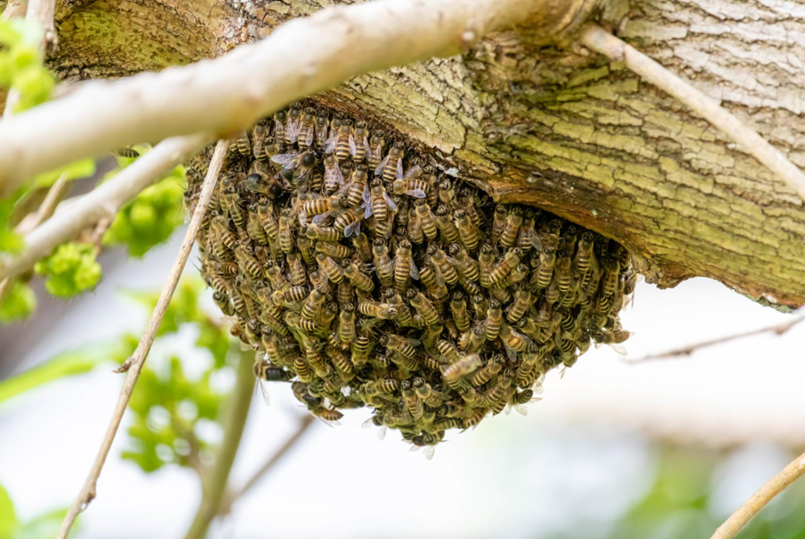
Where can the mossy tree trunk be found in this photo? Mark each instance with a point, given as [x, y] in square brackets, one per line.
[564, 130]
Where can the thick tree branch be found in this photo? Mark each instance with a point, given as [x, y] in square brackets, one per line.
[135, 363]
[103, 202]
[300, 58]
[14, 8]
[304, 424]
[215, 479]
[601, 41]
[777, 329]
[759, 499]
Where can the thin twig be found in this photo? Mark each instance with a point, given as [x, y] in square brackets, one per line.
[601, 41]
[103, 202]
[779, 329]
[41, 12]
[299, 58]
[304, 424]
[134, 364]
[14, 9]
[213, 484]
[759, 499]
[33, 220]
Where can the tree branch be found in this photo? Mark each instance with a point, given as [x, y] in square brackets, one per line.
[779, 329]
[134, 364]
[304, 424]
[759, 499]
[215, 480]
[302, 57]
[41, 12]
[14, 8]
[601, 41]
[103, 202]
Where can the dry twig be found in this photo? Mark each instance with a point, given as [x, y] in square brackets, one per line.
[134, 364]
[779, 329]
[103, 202]
[301, 57]
[759, 499]
[601, 41]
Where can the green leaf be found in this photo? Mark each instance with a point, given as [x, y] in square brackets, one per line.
[67, 364]
[70, 269]
[18, 304]
[44, 526]
[79, 169]
[8, 518]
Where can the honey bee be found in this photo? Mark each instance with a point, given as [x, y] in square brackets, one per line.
[423, 306]
[527, 238]
[296, 168]
[494, 320]
[464, 367]
[445, 225]
[343, 142]
[498, 222]
[404, 267]
[510, 260]
[321, 127]
[280, 120]
[489, 371]
[307, 129]
[434, 282]
[377, 144]
[508, 238]
[334, 250]
[542, 277]
[362, 149]
[458, 308]
[522, 302]
[242, 145]
[411, 400]
[333, 178]
[426, 220]
[467, 231]
[293, 124]
[391, 167]
[377, 310]
[346, 323]
[357, 188]
[379, 203]
[259, 143]
[319, 206]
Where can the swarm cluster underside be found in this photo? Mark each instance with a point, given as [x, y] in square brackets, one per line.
[369, 278]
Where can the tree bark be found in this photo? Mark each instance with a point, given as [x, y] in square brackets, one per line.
[551, 126]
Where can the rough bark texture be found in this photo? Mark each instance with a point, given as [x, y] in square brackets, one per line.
[569, 132]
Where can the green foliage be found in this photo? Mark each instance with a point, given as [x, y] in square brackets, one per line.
[185, 309]
[679, 504]
[70, 269]
[83, 168]
[18, 304]
[69, 363]
[167, 404]
[8, 517]
[151, 218]
[10, 241]
[43, 526]
[21, 65]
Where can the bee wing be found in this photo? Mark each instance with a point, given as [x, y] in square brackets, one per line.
[332, 423]
[619, 348]
[392, 206]
[416, 193]
[285, 159]
[429, 451]
[368, 423]
[399, 174]
[352, 148]
[510, 352]
[381, 166]
[366, 147]
[333, 175]
[413, 271]
[309, 136]
[413, 172]
[381, 433]
[367, 212]
[318, 219]
[264, 392]
[535, 242]
[352, 229]
[292, 131]
[331, 143]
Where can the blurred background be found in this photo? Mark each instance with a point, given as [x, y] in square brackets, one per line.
[663, 449]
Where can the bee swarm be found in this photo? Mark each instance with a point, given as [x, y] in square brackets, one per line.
[370, 279]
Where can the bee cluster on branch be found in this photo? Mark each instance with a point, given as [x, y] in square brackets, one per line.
[369, 278]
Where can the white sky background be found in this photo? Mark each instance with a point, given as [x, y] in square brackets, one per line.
[578, 459]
